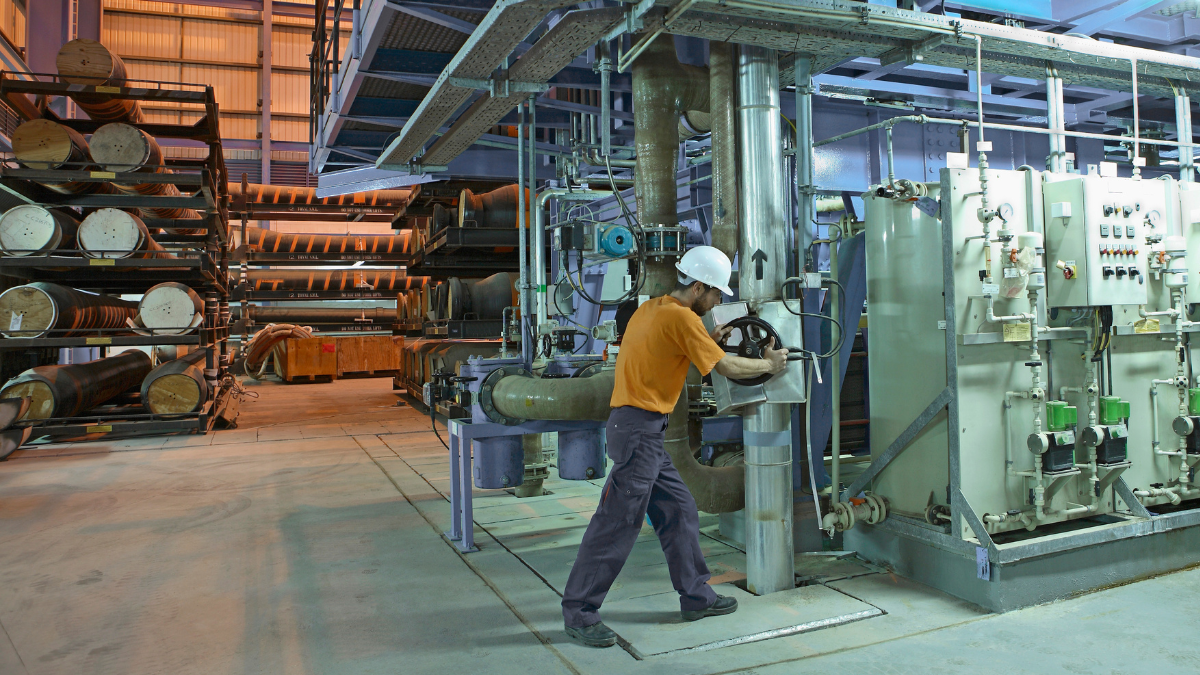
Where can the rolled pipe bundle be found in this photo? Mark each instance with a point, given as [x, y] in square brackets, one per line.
[270, 241]
[331, 280]
[177, 387]
[170, 308]
[259, 347]
[112, 233]
[483, 300]
[317, 315]
[440, 300]
[66, 391]
[497, 208]
[43, 309]
[91, 63]
[29, 229]
[122, 148]
[50, 146]
[401, 307]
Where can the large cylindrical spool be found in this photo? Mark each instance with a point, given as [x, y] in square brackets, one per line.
[581, 454]
[663, 88]
[441, 300]
[499, 462]
[66, 391]
[270, 241]
[331, 280]
[123, 148]
[49, 146]
[113, 233]
[497, 208]
[177, 387]
[89, 62]
[30, 229]
[170, 308]
[42, 309]
[770, 566]
[485, 299]
[318, 315]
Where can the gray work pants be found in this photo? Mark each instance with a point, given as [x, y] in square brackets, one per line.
[642, 481]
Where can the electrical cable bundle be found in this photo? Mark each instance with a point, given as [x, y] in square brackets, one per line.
[841, 333]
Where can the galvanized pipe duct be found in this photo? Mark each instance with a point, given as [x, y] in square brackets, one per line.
[663, 89]
[766, 426]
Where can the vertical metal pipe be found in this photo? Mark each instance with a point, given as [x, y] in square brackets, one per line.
[539, 232]
[1055, 121]
[1137, 136]
[835, 369]
[768, 451]
[804, 153]
[604, 65]
[1183, 132]
[523, 238]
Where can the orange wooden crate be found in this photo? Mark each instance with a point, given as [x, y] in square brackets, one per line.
[308, 358]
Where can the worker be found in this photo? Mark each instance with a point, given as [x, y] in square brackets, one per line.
[662, 337]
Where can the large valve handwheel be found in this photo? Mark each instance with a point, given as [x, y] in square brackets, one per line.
[756, 335]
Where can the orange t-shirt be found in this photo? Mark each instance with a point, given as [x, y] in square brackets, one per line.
[662, 337]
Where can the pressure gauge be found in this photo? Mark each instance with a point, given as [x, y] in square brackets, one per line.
[1005, 212]
[1153, 218]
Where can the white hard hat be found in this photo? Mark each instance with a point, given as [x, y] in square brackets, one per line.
[707, 265]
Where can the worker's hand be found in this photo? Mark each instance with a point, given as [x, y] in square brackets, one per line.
[720, 333]
[776, 358]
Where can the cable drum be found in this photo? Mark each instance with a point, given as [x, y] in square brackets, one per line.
[65, 391]
[440, 301]
[170, 308]
[41, 309]
[112, 233]
[29, 229]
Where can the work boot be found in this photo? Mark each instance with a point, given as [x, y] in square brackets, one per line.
[722, 605]
[595, 635]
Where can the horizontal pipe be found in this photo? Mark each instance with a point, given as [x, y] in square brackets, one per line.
[537, 398]
[270, 241]
[307, 315]
[331, 280]
[66, 391]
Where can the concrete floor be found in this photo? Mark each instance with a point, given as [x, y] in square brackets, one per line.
[308, 541]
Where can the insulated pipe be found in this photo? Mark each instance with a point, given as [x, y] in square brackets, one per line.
[722, 115]
[1183, 131]
[766, 435]
[270, 241]
[715, 489]
[663, 89]
[310, 315]
[1056, 163]
[331, 280]
[537, 398]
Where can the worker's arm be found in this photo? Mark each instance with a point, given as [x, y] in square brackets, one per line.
[741, 368]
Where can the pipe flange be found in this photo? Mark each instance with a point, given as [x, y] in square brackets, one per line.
[489, 384]
[662, 242]
[937, 514]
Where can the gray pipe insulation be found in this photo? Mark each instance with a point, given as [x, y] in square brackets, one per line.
[663, 89]
[716, 490]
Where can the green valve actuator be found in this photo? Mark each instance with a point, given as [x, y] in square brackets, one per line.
[1113, 410]
[1194, 401]
[1060, 416]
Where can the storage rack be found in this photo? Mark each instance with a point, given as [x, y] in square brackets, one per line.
[201, 260]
